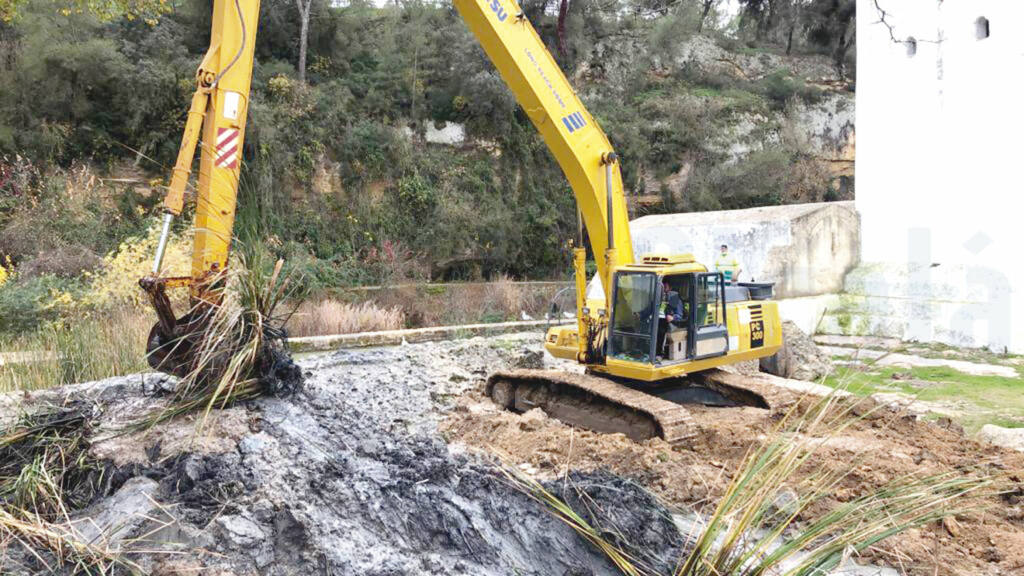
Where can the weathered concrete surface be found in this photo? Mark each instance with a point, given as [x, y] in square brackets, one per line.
[805, 249]
[846, 341]
[887, 358]
[931, 301]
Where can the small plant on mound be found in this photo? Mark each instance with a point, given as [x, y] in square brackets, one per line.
[762, 524]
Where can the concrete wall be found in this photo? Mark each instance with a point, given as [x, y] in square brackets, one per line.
[938, 186]
[806, 249]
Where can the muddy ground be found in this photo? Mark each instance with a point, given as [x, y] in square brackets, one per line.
[348, 477]
[386, 464]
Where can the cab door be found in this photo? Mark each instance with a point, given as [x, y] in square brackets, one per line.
[708, 322]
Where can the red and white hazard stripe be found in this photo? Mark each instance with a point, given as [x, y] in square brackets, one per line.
[227, 148]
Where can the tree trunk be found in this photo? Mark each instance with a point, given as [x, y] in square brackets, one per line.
[704, 15]
[789, 39]
[840, 54]
[563, 10]
[304, 9]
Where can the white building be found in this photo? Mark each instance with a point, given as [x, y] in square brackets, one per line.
[940, 124]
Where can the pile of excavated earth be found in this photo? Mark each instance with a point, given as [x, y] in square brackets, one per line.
[389, 462]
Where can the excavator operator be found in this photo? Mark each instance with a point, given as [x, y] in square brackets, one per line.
[672, 313]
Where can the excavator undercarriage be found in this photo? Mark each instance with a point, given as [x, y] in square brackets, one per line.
[603, 404]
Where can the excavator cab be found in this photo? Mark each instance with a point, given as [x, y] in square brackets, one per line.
[668, 319]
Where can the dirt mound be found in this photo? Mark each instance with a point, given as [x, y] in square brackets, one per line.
[799, 359]
[887, 446]
[367, 472]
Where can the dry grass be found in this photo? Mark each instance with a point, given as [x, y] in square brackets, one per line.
[335, 317]
[473, 302]
[100, 345]
[509, 296]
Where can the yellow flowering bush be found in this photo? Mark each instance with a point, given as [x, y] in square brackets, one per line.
[117, 282]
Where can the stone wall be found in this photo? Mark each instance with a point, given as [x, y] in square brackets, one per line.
[805, 249]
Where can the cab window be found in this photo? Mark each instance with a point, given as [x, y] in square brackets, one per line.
[633, 320]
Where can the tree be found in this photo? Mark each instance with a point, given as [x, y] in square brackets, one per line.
[563, 11]
[833, 27]
[706, 6]
[791, 13]
[304, 7]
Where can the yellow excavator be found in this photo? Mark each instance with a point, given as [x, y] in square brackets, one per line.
[653, 330]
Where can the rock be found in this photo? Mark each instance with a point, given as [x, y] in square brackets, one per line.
[529, 359]
[951, 526]
[799, 358]
[785, 503]
[532, 420]
[113, 519]
[1012, 438]
[158, 384]
[239, 531]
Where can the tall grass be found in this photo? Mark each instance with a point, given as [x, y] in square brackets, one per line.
[759, 527]
[91, 347]
[333, 317]
[46, 474]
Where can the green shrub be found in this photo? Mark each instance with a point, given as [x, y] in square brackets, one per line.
[781, 86]
[26, 303]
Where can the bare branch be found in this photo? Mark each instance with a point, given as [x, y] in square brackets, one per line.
[882, 15]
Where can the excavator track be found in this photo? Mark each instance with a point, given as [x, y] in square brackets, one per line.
[604, 405]
[592, 402]
[757, 390]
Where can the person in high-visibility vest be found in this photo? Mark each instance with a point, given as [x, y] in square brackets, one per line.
[728, 265]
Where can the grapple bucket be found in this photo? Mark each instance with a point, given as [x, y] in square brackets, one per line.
[182, 346]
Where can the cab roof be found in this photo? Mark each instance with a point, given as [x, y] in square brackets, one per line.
[666, 264]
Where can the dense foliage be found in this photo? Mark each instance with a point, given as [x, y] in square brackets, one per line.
[337, 176]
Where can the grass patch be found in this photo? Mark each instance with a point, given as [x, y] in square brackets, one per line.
[984, 399]
[327, 317]
[46, 473]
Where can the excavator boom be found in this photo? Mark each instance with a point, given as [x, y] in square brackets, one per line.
[570, 132]
[216, 126]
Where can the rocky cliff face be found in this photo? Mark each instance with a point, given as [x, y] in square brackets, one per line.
[744, 102]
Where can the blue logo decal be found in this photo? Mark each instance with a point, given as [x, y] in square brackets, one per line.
[498, 10]
[574, 122]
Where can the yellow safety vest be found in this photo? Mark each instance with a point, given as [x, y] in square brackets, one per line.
[727, 265]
